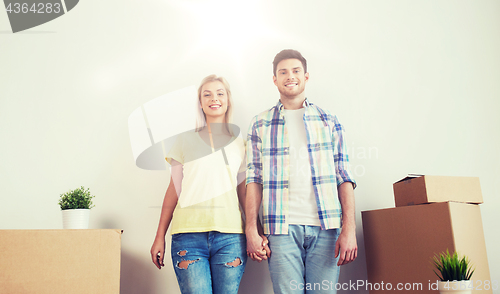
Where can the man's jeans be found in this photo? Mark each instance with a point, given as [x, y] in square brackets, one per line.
[303, 261]
[209, 262]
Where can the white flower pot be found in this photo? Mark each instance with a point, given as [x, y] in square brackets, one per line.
[455, 287]
[76, 218]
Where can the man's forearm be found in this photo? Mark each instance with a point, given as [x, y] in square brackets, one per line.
[253, 201]
[346, 198]
[346, 247]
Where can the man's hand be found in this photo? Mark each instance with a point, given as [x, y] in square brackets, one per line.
[257, 247]
[346, 246]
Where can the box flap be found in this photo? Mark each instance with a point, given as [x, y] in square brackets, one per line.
[409, 177]
[467, 226]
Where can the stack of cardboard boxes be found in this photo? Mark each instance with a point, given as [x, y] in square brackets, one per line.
[432, 214]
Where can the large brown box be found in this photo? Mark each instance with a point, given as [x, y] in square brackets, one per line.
[399, 243]
[417, 189]
[60, 261]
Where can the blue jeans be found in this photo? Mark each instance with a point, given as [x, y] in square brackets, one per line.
[209, 262]
[303, 261]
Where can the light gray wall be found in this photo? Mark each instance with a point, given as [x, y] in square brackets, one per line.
[414, 82]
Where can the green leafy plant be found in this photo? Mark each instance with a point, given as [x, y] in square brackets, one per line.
[76, 199]
[452, 267]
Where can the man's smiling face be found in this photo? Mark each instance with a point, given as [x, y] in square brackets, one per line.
[290, 78]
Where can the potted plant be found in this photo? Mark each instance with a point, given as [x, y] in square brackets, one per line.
[75, 206]
[454, 273]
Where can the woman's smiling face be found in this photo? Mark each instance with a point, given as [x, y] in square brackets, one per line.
[214, 101]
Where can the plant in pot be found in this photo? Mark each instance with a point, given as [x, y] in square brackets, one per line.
[75, 206]
[454, 272]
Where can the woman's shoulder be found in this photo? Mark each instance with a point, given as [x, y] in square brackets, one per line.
[238, 140]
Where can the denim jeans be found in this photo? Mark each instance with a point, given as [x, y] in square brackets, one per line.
[303, 261]
[209, 262]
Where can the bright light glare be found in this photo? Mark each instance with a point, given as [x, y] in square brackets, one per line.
[228, 25]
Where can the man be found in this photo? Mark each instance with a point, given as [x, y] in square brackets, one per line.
[298, 169]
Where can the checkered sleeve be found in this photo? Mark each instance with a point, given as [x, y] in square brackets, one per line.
[254, 154]
[341, 159]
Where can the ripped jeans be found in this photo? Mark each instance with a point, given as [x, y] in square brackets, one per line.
[209, 262]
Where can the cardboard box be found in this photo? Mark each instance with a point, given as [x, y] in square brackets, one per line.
[60, 261]
[418, 189]
[400, 242]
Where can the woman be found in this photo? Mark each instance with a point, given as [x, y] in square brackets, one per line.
[201, 202]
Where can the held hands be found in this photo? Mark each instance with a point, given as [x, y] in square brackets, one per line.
[158, 252]
[257, 247]
[347, 247]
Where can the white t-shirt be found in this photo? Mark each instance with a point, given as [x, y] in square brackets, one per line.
[302, 205]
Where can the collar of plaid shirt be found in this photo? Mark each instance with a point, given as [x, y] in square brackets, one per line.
[268, 164]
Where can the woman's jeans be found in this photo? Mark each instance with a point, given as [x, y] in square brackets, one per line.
[303, 261]
[209, 262]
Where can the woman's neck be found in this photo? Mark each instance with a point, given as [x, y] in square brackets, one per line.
[216, 126]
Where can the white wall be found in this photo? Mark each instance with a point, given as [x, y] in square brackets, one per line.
[414, 82]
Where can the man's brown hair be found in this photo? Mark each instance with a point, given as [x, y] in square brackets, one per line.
[289, 54]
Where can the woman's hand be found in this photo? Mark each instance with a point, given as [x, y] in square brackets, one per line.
[158, 252]
[257, 247]
[167, 210]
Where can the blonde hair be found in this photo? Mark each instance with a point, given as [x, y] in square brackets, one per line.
[201, 120]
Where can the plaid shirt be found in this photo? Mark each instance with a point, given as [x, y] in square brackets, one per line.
[268, 164]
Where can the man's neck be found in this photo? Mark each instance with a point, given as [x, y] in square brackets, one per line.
[293, 103]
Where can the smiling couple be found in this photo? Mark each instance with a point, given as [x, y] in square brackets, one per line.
[308, 225]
